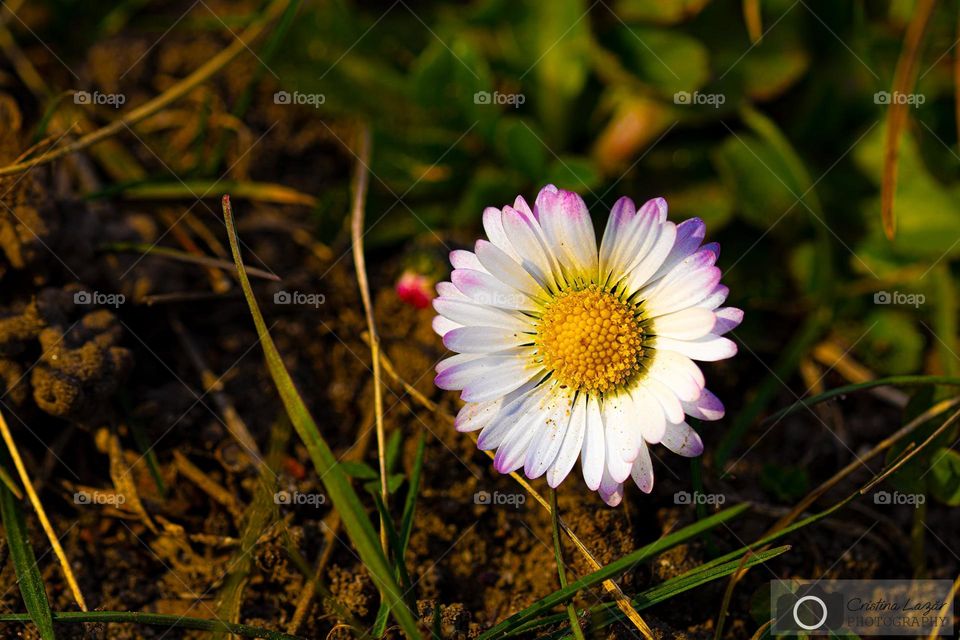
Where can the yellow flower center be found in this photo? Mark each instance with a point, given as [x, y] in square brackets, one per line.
[590, 340]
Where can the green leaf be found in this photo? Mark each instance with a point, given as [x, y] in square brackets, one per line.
[671, 61]
[944, 477]
[358, 470]
[335, 481]
[613, 569]
[556, 36]
[25, 564]
[521, 146]
[574, 173]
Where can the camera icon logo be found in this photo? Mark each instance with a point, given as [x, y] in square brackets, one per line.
[282, 97]
[682, 97]
[282, 497]
[682, 497]
[482, 97]
[882, 297]
[82, 297]
[482, 497]
[881, 97]
[882, 497]
[282, 297]
[809, 609]
[82, 497]
[82, 97]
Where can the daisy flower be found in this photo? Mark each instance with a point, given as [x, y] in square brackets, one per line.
[567, 352]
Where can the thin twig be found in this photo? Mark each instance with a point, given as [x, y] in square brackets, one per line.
[947, 602]
[41, 514]
[165, 99]
[360, 182]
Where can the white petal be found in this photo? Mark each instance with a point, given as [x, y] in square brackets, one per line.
[473, 314]
[690, 234]
[484, 339]
[593, 454]
[619, 435]
[515, 407]
[670, 369]
[463, 259]
[620, 225]
[651, 418]
[475, 415]
[551, 433]
[460, 358]
[512, 453]
[495, 385]
[709, 348]
[642, 470]
[483, 288]
[610, 490]
[640, 272]
[706, 407]
[525, 235]
[667, 398]
[572, 444]
[441, 326]
[449, 290]
[479, 415]
[505, 269]
[493, 225]
[566, 223]
[687, 324]
[715, 298]
[669, 294]
[728, 319]
[682, 440]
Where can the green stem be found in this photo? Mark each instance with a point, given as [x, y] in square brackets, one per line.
[561, 571]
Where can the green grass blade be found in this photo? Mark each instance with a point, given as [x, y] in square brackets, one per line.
[355, 520]
[406, 527]
[670, 588]
[164, 620]
[892, 381]
[613, 569]
[25, 563]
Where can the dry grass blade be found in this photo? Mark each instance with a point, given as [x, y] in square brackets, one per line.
[935, 633]
[751, 15]
[165, 99]
[611, 587]
[903, 79]
[41, 514]
[361, 180]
